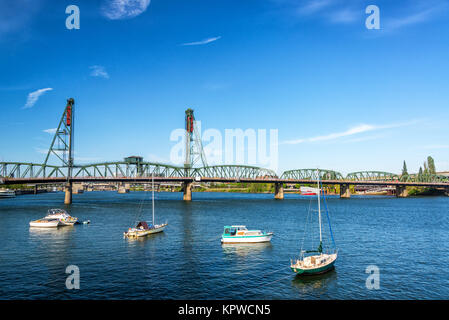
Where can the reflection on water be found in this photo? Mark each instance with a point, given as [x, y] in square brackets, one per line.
[316, 284]
[244, 249]
[51, 233]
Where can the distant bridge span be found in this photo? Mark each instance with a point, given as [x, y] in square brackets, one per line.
[144, 172]
[134, 169]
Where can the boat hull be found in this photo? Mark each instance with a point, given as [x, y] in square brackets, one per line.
[319, 270]
[7, 194]
[300, 269]
[44, 224]
[67, 223]
[144, 233]
[247, 239]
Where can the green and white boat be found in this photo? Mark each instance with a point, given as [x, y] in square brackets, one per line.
[240, 234]
[311, 262]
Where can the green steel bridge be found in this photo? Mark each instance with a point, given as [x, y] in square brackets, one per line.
[136, 170]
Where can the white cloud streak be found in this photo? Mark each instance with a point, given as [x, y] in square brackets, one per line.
[426, 11]
[350, 132]
[51, 131]
[124, 9]
[314, 6]
[34, 96]
[99, 71]
[205, 41]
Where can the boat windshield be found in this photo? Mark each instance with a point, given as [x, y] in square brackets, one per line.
[56, 211]
[230, 231]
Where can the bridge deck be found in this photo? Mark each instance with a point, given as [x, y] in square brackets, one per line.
[9, 181]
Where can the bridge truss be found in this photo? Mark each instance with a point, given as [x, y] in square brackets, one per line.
[311, 174]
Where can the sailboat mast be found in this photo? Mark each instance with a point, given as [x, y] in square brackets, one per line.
[319, 201]
[152, 189]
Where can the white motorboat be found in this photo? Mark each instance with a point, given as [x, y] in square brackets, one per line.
[240, 234]
[6, 193]
[45, 223]
[64, 218]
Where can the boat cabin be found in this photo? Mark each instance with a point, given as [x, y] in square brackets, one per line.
[233, 230]
[143, 225]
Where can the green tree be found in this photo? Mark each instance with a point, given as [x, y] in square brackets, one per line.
[431, 165]
[404, 169]
[426, 170]
[420, 174]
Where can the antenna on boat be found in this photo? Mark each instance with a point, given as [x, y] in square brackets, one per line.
[152, 189]
[319, 202]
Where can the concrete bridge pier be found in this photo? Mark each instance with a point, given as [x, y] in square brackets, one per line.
[124, 188]
[447, 192]
[35, 189]
[345, 193]
[279, 191]
[401, 192]
[187, 189]
[77, 188]
[68, 193]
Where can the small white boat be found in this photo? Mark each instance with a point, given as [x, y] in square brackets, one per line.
[64, 218]
[309, 191]
[45, 223]
[240, 234]
[315, 261]
[142, 228]
[6, 193]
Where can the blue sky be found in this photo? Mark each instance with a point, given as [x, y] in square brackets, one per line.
[342, 97]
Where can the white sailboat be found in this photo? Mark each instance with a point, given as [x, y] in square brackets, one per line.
[142, 228]
[316, 261]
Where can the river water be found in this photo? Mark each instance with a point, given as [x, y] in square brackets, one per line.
[406, 239]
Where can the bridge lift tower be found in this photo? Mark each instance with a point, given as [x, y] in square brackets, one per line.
[194, 151]
[62, 146]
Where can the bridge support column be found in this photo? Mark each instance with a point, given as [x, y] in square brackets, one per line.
[447, 192]
[77, 188]
[123, 188]
[187, 189]
[401, 192]
[345, 193]
[279, 191]
[35, 189]
[68, 193]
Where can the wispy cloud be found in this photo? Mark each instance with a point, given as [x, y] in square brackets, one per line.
[51, 131]
[16, 17]
[346, 15]
[426, 11]
[124, 9]
[205, 41]
[314, 6]
[34, 96]
[350, 132]
[99, 71]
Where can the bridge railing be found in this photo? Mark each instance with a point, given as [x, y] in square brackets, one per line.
[31, 170]
[372, 176]
[425, 178]
[312, 174]
[126, 169]
[233, 172]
